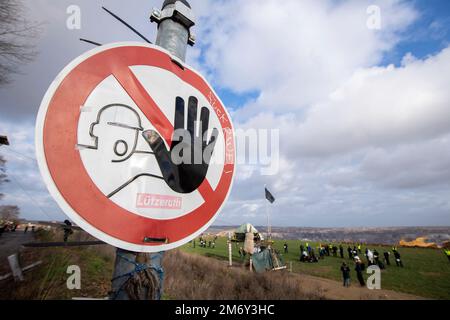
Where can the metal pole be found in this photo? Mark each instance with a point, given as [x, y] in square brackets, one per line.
[269, 229]
[230, 254]
[174, 22]
[267, 216]
[270, 226]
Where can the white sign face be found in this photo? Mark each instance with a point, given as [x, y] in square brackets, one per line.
[135, 147]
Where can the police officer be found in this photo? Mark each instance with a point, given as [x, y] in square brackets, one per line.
[398, 260]
[447, 253]
[376, 256]
[350, 252]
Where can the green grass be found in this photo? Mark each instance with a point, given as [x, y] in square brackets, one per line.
[426, 272]
[48, 281]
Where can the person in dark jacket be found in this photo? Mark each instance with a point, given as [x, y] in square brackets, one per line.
[285, 248]
[67, 230]
[341, 251]
[398, 259]
[359, 274]
[350, 253]
[376, 256]
[345, 274]
[386, 258]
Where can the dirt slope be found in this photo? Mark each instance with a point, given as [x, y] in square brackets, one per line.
[333, 290]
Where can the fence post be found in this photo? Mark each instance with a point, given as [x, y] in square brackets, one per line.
[230, 252]
[15, 267]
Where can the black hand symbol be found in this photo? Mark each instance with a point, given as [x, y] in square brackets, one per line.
[185, 176]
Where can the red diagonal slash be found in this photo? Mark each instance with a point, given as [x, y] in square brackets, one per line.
[148, 106]
[153, 113]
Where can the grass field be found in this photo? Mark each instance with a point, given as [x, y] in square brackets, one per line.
[426, 272]
[48, 281]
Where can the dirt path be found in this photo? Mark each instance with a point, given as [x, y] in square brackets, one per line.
[334, 290]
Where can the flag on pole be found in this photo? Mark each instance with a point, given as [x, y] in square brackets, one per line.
[269, 196]
[4, 140]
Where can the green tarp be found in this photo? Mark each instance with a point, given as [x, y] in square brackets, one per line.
[267, 260]
[239, 233]
[247, 227]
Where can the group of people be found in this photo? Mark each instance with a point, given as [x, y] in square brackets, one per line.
[7, 227]
[206, 243]
[307, 254]
[359, 268]
[12, 227]
[28, 227]
[373, 257]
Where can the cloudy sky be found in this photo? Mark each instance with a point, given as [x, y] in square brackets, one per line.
[363, 113]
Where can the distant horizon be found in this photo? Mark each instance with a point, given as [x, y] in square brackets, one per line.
[366, 227]
[360, 111]
[280, 227]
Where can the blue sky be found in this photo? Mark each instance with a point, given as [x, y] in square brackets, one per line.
[363, 115]
[426, 36]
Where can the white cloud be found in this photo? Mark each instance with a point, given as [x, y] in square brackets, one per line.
[296, 52]
[411, 165]
[352, 131]
[315, 66]
[381, 106]
[26, 188]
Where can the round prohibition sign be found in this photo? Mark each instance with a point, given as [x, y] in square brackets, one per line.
[69, 176]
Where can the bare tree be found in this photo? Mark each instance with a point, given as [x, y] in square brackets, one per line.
[16, 38]
[9, 213]
[3, 177]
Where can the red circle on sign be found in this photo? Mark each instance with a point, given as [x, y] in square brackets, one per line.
[64, 163]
